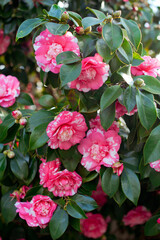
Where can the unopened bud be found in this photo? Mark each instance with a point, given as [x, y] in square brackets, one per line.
[16, 114]
[139, 82]
[65, 16]
[10, 154]
[23, 121]
[108, 18]
[79, 30]
[5, 152]
[88, 30]
[117, 14]
[99, 29]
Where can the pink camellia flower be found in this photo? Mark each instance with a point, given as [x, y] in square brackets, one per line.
[9, 90]
[64, 183]
[5, 41]
[94, 226]
[99, 148]
[37, 212]
[148, 67]
[158, 220]
[121, 110]
[47, 46]
[0, 238]
[155, 165]
[137, 216]
[66, 130]
[96, 123]
[21, 193]
[118, 168]
[99, 196]
[93, 74]
[46, 170]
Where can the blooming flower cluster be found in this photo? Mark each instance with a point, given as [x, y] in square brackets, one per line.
[137, 216]
[37, 212]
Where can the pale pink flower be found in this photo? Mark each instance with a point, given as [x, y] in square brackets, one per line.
[4, 42]
[9, 90]
[155, 165]
[47, 46]
[46, 169]
[96, 123]
[99, 196]
[94, 226]
[137, 216]
[99, 148]
[37, 212]
[66, 130]
[64, 183]
[158, 220]
[118, 168]
[148, 67]
[121, 110]
[93, 74]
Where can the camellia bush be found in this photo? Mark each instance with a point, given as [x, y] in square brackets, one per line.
[79, 127]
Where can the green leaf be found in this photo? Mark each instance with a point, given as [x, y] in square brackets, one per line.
[24, 141]
[58, 223]
[57, 28]
[8, 209]
[110, 182]
[130, 185]
[90, 21]
[151, 149]
[19, 166]
[75, 211]
[152, 84]
[3, 165]
[155, 178]
[152, 227]
[68, 73]
[107, 116]
[137, 60]
[27, 26]
[86, 203]
[119, 197]
[56, 12]
[98, 14]
[133, 31]
[32, 171]
[146, 109]
[67, 57]
[4, 2]
[129, 98]
[75, 17]
[38, 137]
[47, 101]
[7, 123]
[124, 53]
[34, 191]
[113, 36]
[125, 73]
[75, 223]
[25, 99]
[109, 96]
[104, 50]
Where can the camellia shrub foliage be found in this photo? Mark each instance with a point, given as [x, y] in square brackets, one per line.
[82, 159]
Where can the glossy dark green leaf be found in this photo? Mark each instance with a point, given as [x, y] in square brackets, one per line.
[113, 36]
[137, 59]
[8, 209]
[58, 223]
[152, 84]
[68, 73]
[32, 171]
[125, 73]
[34, 191]
[7, 123]
[38, 137]
[24, 141]
[56, 12]
[129, 98]
[110, 182]
[151, 149]
[75, 223]
[124, 53]
[67, 57]
[27, 26]
[47, 101]
[109, 96]
[85, 202]
[104, 50]
[75, 17]
[155, 178]
[119, 197]
[98, 13]
[107, 116]
[152, 227]
[90, 21]
[57, 28]
[25, 99]
[146, 109]
[130, 185]
[3, 165]
[133, 31]
[75, 211]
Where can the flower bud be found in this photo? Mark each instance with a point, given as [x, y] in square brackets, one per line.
[117, 14]
[65, 16]
[79, 30]
[88, 30]
[23, 121]
[99, 29]
[10, 154]
[139, 82]
[118, 168]
[5, 152]
[16, 114]
[108, 18]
